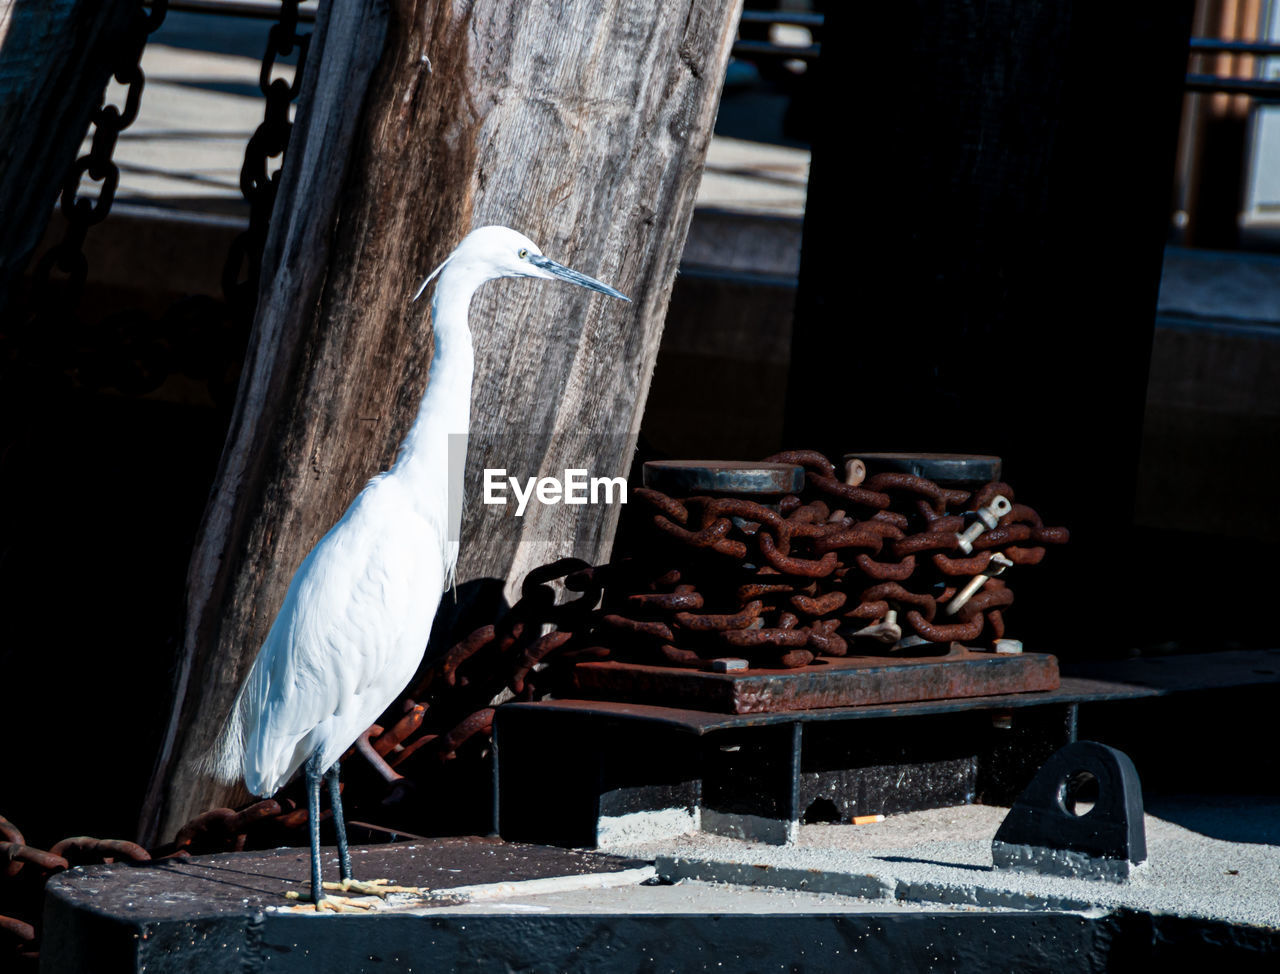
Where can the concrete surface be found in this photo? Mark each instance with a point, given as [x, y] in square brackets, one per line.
[1221, 864]
[553, 910]
[683, 896]
[508, 906]
[754, 177]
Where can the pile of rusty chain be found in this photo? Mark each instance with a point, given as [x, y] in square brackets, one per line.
[874, 560]
[716, 577]
[446, 712]
[451, 704]
[720, 577]
[23, 872]
[730, 577]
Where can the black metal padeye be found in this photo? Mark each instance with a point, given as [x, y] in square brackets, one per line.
[1049, 829]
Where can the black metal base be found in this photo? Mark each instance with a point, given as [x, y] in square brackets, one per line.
[748, 778]
[1080, 816]
[763, 774]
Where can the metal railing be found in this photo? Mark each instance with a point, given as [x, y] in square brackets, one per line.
[751, 49]
[257, 9]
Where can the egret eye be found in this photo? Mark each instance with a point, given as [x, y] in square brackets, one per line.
[523, 253]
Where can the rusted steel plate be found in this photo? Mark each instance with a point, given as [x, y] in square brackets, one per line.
[849, 682]
[681, 478]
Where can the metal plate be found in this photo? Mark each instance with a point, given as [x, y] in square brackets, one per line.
[1100, 682]
[247, 882]
[685, 477]
[942, 468]
[848, 682]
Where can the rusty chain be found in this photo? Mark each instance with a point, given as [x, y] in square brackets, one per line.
[242, 270]
[59, 276]
[262, 823]
[720, 576]
[107, 122]
[25, 868]
[837, 563]
[726, 576]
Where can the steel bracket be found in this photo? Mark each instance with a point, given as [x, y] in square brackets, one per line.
[1050, 830]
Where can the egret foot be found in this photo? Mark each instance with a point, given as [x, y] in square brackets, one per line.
[335, 904]
[353, 894]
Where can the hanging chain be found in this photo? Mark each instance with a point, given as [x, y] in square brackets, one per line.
[241, 272]
[108, 121]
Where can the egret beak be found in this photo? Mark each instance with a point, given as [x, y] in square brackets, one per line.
[574, 277]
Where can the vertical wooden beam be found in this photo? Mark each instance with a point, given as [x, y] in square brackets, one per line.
[980, 274]
[583, 125]
[55, 60]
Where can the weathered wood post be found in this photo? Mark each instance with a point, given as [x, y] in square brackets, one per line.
[55, 60]
[584, 126]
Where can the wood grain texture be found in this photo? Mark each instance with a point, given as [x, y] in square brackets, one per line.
[346, 45]
[584, 126]
[54, 64]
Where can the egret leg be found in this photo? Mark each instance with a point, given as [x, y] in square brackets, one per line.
[313, 821]
[339, 821]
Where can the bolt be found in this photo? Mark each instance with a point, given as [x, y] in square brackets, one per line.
[1010, 647]
[988, 517]
[997, 565]
[886, 630]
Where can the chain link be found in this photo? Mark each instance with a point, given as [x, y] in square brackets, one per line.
[836, 557]
[59, 276]
[107, 121]
[718, 576]
[242, 270]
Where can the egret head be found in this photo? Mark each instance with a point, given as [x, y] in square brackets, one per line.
[492, 252]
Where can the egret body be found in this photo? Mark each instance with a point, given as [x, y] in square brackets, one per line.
[357, 615]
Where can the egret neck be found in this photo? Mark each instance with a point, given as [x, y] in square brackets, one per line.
[445, 410]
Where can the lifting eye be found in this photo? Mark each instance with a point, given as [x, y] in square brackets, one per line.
[523, 253]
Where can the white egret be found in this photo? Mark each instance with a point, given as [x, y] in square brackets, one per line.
[358, 612]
